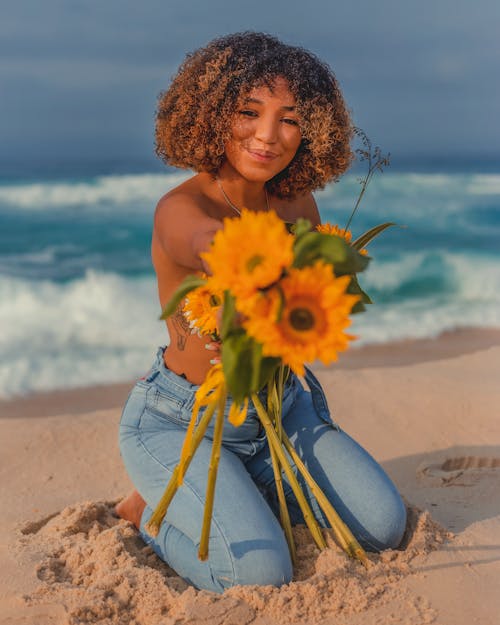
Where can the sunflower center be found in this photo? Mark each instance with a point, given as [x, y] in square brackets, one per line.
[302, 319]
[253, 261]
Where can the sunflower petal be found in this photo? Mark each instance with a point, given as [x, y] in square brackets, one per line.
[238, 413]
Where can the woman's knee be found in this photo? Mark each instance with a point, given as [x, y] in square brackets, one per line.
[387, 523]
[228, 567]
[251, 558]
[265, 567]
[365, 494]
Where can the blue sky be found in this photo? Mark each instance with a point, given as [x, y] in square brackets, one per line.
[79, 78]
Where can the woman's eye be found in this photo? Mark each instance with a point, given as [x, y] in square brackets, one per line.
[292, 122]
[248, 113]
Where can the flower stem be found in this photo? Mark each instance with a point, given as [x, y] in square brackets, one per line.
[274, 442]
[343, 534]
[279, 384]
[274, 410]
[190, 446]
[153, 525]
[212, 477]
[284, 514]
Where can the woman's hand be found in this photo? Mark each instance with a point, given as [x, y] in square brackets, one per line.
[214, 346]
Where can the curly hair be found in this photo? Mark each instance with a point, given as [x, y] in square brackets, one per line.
[195, 114]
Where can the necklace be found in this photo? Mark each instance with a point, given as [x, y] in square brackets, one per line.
[233, 206]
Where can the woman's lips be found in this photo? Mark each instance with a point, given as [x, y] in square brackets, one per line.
[262, 155]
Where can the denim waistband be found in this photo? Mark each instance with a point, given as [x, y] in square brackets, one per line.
[185, 391]
[167, 380]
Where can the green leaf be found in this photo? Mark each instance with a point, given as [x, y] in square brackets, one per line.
[355, 289]
[228, 315]
[237, 359]
[330, 248]
[301, 227]
[188, 284]
[268, 367]
[241, 361]
[245, 370]
[365, 238]
[358, 307]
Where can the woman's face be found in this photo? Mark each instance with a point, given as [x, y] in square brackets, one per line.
[265, 133]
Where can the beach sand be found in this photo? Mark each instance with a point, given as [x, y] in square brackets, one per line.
[427, 410]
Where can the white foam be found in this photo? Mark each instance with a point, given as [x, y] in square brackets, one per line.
[98, 329]
[413, 321]
[474, 276]
[484, 184]
[131, 190]
[472, 298]
[433, 201]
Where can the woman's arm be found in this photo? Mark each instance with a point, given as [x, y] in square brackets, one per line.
[184, 230]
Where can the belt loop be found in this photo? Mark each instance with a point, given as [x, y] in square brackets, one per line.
[159, 355]
[155, 369]
[317, 395]
[152, 375]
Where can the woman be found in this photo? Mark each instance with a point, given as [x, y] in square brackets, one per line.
[263, 124]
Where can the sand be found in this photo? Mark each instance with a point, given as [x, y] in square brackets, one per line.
[428, 410]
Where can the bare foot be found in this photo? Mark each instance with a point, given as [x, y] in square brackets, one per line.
[131, 508]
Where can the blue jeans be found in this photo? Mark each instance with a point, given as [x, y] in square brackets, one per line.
[247, 544]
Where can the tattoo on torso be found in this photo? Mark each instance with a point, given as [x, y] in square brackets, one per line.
[181, 325]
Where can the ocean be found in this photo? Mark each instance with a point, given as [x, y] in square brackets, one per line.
[78, 302]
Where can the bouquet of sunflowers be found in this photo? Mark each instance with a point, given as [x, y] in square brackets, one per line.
[278, 296]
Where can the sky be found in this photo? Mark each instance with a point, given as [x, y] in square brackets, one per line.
[79, 79]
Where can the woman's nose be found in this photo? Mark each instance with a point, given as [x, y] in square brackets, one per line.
[267, 129]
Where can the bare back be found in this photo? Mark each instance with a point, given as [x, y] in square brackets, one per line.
[186, 220]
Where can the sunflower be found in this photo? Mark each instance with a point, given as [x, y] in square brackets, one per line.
[303, 318]
[249, 253]
[328, 228]
[201, 307]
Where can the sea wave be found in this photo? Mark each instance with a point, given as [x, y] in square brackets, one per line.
[484, 184]
[126, 190]
[103, 327]
[78, 295]
[420, 295]
[139, 189]
[99, 329]
[451, 211]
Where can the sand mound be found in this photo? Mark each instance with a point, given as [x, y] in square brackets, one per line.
[98, 568]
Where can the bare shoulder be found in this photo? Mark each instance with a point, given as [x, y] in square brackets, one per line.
[185, 222]
[303, 206]
[187, 199]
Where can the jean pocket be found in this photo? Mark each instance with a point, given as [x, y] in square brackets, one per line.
[165, 406]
